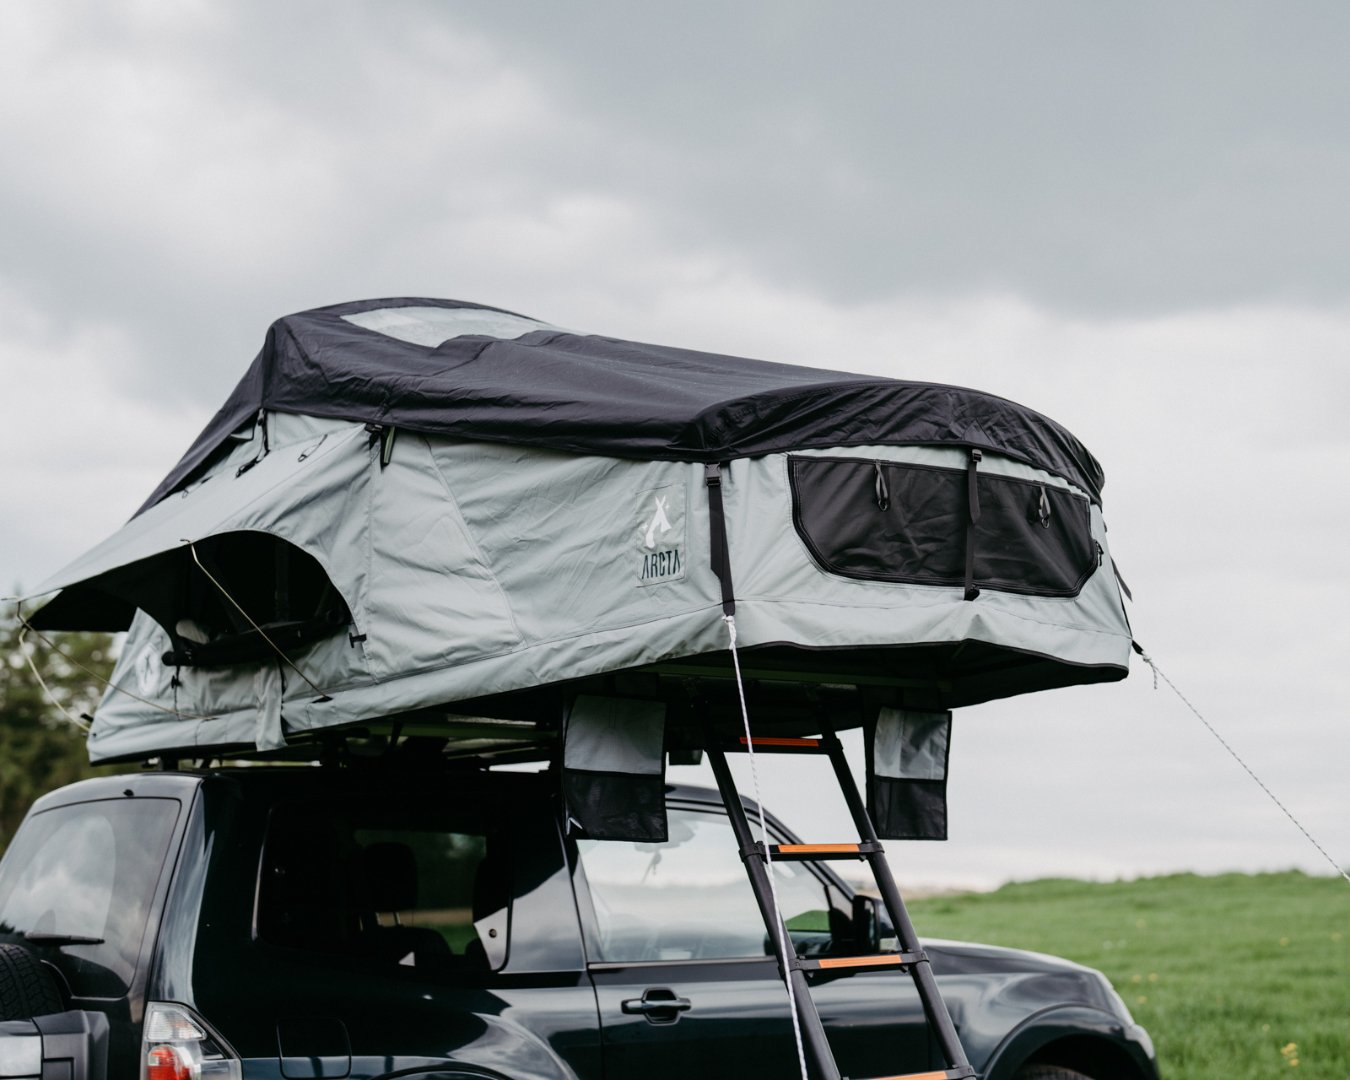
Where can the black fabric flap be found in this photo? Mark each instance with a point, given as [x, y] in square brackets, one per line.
[613, 769]
[907, 752]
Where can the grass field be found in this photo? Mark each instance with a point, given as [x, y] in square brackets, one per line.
[1234, 976]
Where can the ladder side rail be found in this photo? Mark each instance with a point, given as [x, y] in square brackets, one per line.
[818, 1049]
[939, 1019]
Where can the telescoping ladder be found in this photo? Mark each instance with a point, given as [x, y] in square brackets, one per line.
[910, 958]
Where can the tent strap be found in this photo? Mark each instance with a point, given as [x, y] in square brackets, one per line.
[720, 554]
[972, 517]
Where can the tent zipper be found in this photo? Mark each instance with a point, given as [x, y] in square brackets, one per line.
[384, 435]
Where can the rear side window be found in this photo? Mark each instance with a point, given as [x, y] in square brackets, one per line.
[391, 887]
[87, 871]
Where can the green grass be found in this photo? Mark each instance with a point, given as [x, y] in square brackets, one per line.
[1235, 976]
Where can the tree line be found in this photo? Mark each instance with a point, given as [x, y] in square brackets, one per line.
[41, 746]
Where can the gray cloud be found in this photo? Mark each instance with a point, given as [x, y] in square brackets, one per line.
[1091, 160]
[1140, 158]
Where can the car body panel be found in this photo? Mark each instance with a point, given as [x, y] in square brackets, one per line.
[550, 1010]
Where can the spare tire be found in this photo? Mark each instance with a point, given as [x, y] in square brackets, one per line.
[27, 988]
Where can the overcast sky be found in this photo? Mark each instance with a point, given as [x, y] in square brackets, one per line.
[1132, 218]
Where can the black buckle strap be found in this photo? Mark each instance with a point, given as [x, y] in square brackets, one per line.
[972, 517]
[720, 554]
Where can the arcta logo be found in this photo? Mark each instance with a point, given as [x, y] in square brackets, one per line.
[659, 522]
[660, 532]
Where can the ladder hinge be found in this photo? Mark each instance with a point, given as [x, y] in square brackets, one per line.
[754, 851]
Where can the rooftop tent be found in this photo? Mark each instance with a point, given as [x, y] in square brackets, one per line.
[415, 510]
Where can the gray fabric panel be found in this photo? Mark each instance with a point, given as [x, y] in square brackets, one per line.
[278, 485]
[267, 733]
[911, 745]
[432, 600]
[615, 735]
[564, 536]
[475, 569]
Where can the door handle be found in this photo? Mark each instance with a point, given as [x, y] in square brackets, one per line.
[659, 1005]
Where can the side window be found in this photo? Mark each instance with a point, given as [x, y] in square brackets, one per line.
[87, 871]
[385, 888]
[690, 899]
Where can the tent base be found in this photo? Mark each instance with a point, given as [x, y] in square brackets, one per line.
[790, 691]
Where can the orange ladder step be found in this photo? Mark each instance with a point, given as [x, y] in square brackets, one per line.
[876, 960]
[779, 744]
[941, 1074]
[799, 852]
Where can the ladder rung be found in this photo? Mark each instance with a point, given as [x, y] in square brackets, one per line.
[942, 1074]
[836, 963]
[779, 744]
[793, 852]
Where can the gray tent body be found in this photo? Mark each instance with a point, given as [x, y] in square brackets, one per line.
[460, 569]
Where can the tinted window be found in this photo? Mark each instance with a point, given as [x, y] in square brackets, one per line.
[690, 899]
[385, 886]
[89, 871]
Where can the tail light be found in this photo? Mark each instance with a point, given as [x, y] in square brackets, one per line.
[180, 1045]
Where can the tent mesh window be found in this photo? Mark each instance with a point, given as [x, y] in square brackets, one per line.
[890, 521]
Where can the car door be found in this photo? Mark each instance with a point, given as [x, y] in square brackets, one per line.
[682, 970]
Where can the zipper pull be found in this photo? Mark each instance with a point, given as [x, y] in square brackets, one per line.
[1043, 509]
[384, 435]
[260, 424]
[883, 492]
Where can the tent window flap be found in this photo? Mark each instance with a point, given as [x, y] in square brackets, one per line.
[907, 773]
[613, 770]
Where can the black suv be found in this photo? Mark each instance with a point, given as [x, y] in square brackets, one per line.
[434, 922]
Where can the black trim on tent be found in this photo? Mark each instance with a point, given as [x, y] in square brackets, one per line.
[604, 396]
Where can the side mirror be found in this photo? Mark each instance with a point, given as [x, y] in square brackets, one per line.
[872, 930]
